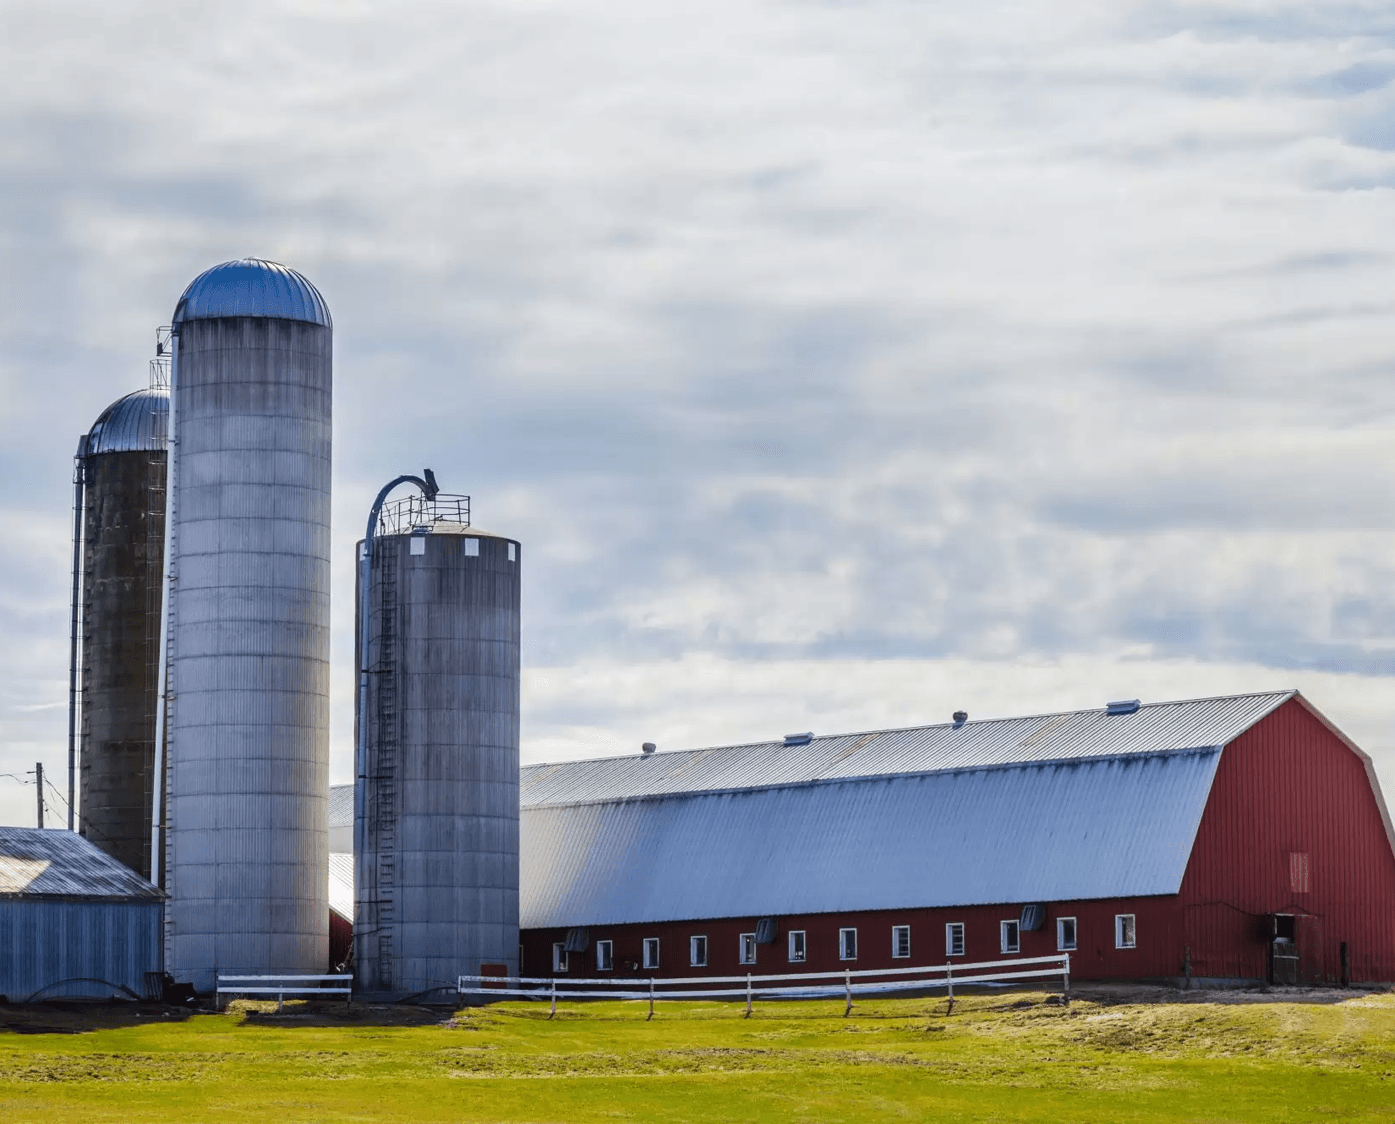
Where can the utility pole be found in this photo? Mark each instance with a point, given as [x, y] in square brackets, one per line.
[39, 785]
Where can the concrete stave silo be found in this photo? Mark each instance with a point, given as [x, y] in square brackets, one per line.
[121, 500]
[436, 881]
[248, 626]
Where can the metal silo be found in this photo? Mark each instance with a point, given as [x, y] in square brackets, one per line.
[437, 864]
[118, 546]
[247, 622]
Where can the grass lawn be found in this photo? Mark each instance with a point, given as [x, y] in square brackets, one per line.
[996, 1058]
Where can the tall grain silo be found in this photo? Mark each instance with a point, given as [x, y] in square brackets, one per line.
[120, 479]
[248, 626]
[436, 878]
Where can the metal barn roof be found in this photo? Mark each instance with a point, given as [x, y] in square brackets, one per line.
[252, 287]
[1073, 735]
[36, 863]
[341, 884]
[341, 805]
[1107, 827]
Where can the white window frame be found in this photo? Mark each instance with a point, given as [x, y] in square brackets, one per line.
[896, 931]
[651, 953]
[1013, 926]
[1061, 945]
[955, 935]
[695, 944]
[847, 943]
[605, 956]
[799, 954]
[560, 960]
[1125, 926]
[748, 948]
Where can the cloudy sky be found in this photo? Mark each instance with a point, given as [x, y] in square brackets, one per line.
[839, 365]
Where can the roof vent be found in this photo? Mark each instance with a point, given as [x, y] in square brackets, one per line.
[1122, 706]
[960, 717]
[798, 739]
[647, 748]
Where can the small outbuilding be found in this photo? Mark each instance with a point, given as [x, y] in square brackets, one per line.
[73, 920]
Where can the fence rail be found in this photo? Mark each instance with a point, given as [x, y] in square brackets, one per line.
[786, 985]
[282, 986]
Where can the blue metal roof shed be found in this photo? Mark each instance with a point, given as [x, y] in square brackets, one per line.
[73, 920]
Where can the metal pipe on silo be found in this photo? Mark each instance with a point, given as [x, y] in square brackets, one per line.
[74, 626]
[436, 875]
[248, 626]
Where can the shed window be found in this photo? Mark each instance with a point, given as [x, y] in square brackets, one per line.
[1125, 935]
[847, 944]
[605, 959]
[900, 941]
[651, 952]
[1065, 934]
[1298, 872]
[748, 948]
[1011, 934]
[954, 938]
[559, 957]
[697, 952]
[798, 950]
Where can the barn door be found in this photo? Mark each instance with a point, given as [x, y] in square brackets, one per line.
[1312, 953]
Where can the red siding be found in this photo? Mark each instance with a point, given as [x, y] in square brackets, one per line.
[1158, 953]
[1289, 785]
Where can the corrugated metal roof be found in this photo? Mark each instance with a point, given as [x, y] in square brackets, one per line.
[252, 287]
[1073, 735]
[1086, 828]
[35, 863]
[341, 884]
[137, 422]
[341, 805]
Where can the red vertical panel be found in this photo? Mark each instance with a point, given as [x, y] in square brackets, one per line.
[1287, 787]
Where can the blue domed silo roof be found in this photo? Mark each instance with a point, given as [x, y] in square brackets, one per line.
[138, 421]
[252, 287]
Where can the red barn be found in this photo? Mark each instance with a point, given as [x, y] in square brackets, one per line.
[1237, 838]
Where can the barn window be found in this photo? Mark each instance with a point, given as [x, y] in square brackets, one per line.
[1125, 935]
[651, 952]
[559, 957]
[1065, 934]
[605, 959]
[799, 951]
[954, 938]
[697, 952]
[748, 948]
[847, 944]
[513, 552]
[900, 941]
[1298, 872]
[1011, 934]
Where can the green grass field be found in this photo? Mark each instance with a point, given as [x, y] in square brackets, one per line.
[1000, 1058]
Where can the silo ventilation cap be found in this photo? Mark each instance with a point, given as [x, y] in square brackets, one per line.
[647, 748]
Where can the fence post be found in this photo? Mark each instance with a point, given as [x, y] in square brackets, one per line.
[949, 979]
[1065, 983]
[847, 992]
[747, 1015]
[554, 998]
[651, 999]
[281, 1000]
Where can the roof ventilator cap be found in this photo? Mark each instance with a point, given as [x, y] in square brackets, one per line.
[1122, 706]
[960, 717]
[647, 748]
[798, 739]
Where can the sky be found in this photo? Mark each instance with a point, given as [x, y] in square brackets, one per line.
[839, 365]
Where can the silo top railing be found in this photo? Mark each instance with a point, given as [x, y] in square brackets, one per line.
[405, 515]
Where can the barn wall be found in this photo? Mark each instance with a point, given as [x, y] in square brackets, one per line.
[44, 941]
[1289, 785]
[1159, 951]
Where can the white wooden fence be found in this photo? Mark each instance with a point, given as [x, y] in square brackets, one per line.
[282, 986]
[789, 985]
